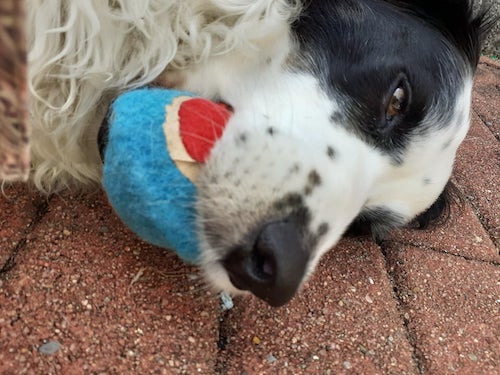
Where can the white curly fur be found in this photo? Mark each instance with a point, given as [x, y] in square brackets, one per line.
[82, 54]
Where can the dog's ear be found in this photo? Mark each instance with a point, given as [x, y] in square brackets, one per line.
[439, 212]
[460, 21]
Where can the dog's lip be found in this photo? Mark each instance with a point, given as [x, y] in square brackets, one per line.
[238, 284]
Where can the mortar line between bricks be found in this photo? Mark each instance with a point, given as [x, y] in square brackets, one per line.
[484, 123]
[40, 211]
[477, 214]
[224, 333]
[417, 356]
[426, 247]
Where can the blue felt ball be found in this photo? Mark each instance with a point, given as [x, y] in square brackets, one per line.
[150, 195]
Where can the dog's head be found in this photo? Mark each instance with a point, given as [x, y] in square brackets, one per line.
[359, 123]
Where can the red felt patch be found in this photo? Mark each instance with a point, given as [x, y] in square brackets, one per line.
[202, 123]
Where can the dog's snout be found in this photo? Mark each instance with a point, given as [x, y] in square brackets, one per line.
[272, 264]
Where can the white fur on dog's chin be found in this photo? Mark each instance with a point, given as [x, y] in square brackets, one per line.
[82, 54]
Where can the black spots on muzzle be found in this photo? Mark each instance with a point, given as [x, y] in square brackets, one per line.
[271, 131]
[313, 181]
[293, 207]
[331, 152]
[241, 139]
[292, 203]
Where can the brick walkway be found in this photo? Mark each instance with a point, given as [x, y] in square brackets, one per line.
[79, 294]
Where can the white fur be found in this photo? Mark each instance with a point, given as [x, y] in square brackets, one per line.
[82, 54]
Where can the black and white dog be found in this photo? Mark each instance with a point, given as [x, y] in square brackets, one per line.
[347, 113]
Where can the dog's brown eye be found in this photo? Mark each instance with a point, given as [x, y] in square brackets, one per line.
[397, 103]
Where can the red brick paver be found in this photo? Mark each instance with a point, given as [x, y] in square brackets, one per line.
[80, 294]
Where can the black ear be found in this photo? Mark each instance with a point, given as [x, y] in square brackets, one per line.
[439, 211]
[465, 28]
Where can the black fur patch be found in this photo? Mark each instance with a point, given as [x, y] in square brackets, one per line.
[386, 44]
[376, 222]
[439, 211]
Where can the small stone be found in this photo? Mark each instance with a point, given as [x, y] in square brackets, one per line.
[256, 340]
[472, 357]
[66, 232]
[50, 347]
[271, 358]
[368, 299]
[346, 364]
[191, 339]
[363, 349]
[226, 301]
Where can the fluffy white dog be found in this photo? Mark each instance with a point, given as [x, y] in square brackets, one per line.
[82, 54]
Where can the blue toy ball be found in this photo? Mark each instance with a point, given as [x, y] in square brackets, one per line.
[143, 184]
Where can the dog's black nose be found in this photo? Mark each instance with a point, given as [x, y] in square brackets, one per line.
[272, 265]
